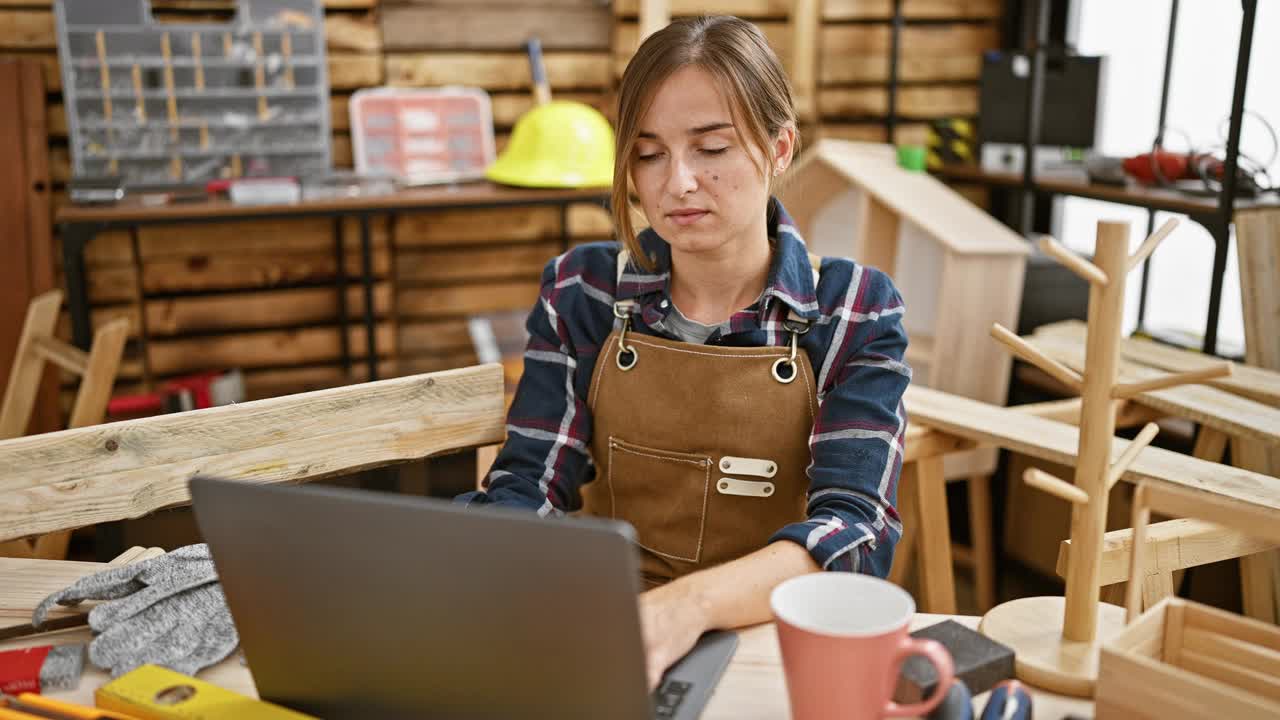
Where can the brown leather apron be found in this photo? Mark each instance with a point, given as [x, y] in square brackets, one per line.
[702, 448]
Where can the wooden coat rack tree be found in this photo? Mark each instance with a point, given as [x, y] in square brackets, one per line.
[1056, 639]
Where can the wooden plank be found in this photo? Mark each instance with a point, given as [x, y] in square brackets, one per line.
[1258, 247]
[1171, 545]
[590, 221]
[855, 69]
[253, 236]
[1209, 406]
[436, 363]
[831, 9]
[460, 227]
[1248, 381]
[913, 102]
[49, 64]
[269, 348]
[128, 469]
[462, 300]
[352, 71]
[925, 477]
[256, 270]
[874, 132]
[275, 382]
[1057, 442]
[860, 53]
[434, 337]
[282, 308]
[487, 27]
[497, 71]
[523, 262]
[339, 111]
[342, 150]
[346, 31]
[28, 30]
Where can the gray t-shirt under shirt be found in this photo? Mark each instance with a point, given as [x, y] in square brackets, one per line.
[691, 331]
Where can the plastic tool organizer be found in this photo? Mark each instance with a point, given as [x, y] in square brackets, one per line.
[422, 136]
[168, 103]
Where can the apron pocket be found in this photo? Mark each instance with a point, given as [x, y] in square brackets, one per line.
[663, 494]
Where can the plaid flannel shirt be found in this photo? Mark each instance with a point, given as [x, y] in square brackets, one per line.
[856, 344]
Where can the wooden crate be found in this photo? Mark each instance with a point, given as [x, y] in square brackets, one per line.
[1183, 660]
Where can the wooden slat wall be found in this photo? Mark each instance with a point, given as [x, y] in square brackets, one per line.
[253, 295]
[940, 57]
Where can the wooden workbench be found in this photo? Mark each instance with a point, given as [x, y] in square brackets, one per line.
[752, 688]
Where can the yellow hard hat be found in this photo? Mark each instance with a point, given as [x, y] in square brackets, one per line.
[560, 144]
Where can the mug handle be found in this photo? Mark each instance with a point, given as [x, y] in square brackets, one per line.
[942, 662]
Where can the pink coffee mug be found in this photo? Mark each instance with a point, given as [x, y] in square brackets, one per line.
[843, 638]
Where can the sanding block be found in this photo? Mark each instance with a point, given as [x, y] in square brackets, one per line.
[979, 661]
[155, 693]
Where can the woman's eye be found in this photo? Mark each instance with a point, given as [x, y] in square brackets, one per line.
[714, 151]
[648, 157]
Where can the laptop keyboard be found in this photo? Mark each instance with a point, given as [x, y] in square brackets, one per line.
[668, 696]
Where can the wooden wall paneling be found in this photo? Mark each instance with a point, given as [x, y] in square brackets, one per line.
[488, 25]
[831, 9]
[567, 70]
[25, 218]
[268, 348]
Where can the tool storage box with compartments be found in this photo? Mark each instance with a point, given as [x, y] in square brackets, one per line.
[422, 135]
[1182, 660]
[161, 103]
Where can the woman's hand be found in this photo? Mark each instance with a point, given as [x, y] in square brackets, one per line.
[672, 618]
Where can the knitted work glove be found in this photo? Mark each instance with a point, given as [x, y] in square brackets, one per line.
[166, 611]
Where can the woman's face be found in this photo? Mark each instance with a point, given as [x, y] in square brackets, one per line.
[701, 189]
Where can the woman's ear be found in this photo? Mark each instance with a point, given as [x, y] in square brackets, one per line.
[784, 147]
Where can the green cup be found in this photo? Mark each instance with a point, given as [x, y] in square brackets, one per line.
[912, 157]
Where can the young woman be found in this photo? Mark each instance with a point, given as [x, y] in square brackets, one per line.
[704, 380]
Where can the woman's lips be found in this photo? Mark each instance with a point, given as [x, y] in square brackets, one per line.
[687, 217]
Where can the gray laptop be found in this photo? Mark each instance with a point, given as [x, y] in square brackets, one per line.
[356, 604]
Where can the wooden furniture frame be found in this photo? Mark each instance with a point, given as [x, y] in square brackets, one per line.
[97, 370]
[69, 479]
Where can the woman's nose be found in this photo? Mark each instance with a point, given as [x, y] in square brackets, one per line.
[682, 179]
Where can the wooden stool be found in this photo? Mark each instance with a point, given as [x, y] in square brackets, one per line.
[97, 369]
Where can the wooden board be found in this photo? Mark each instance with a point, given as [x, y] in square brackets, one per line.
[1245, 380]
[469, 299]
[352, 71]
[1258, 247]
[831, 9]
[1171, 545]
[282, 308]
[122, 470]
[346, 31]
[434, 337]
[913, 101]
[860, 53]
[1058, 442]
[459, 227]
[268, 348]
[495, 26]
[497, 71]
[521, 262]
[275, 382]
[1234, 415]
[48, 61]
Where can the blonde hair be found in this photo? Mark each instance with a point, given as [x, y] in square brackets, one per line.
[735, 53]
